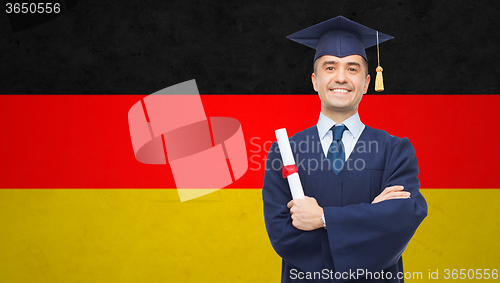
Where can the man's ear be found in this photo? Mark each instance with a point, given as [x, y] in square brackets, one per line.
[367, 83]
[314, 82]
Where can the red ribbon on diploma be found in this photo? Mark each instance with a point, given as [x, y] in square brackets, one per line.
[289, 170]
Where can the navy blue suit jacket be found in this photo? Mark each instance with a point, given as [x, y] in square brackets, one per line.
[359, 235]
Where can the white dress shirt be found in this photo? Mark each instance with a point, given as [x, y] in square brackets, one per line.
[349, 138]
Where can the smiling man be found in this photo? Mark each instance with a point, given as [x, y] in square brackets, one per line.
[362, 202]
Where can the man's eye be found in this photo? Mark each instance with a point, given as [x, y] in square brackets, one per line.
[352, 70]
[330, 68]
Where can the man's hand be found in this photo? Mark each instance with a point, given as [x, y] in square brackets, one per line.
[393, 192]
[306, 214]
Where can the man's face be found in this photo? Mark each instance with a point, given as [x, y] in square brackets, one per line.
[340, 83]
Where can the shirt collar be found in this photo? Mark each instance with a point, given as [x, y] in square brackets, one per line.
[352, 123]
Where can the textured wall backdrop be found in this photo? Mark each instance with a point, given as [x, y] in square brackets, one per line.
[235, 47]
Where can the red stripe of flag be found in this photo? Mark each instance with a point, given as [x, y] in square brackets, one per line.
[82, 141]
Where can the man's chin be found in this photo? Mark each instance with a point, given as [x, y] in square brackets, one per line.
[338, 106]
[341, 107]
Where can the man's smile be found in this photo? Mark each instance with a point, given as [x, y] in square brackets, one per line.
[340, 90]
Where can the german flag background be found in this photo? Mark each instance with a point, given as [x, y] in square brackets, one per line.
[76, 206]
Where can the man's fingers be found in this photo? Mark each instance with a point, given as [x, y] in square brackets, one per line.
[393, 195]
[392, 189]
[394, 192]
[295, 202]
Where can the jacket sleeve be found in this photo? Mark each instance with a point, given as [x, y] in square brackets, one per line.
[301, 249]
[373, 236]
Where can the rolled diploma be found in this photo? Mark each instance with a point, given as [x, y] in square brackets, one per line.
[287, 156]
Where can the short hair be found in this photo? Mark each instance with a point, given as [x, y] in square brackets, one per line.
[365, 64]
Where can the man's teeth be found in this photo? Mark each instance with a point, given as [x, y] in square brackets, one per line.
[340, 90]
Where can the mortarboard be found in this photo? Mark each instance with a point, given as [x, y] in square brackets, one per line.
[341, 37]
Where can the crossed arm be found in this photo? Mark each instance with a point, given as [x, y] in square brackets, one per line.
[306, 213]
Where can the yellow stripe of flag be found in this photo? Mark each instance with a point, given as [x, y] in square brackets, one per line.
[148, 235]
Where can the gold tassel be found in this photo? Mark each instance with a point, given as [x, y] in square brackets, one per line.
[379, 80]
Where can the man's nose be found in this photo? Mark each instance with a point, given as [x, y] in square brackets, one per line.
[340, 77]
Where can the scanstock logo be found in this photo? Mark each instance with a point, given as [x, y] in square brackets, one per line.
[205, 154]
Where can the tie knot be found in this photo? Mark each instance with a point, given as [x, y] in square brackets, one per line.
[337, 132]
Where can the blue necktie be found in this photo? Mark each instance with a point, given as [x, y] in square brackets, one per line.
[336, 152]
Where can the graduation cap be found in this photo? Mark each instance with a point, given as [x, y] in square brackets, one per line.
[342, 37]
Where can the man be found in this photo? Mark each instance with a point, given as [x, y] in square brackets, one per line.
[362, 202]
